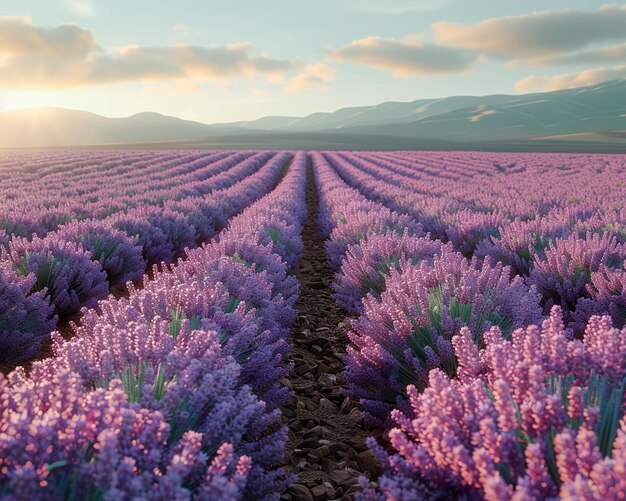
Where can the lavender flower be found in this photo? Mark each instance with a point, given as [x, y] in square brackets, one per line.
[519, 242]
[282, 238]
[4, 240]
[367, 265]
[153, 241]
[20, 224]
[65, 441]
[471, 228]
[118, 254]
[26, 320]
[64, 272]
[607, 289]
[409, 330]
[243, 284]
[205, 216]
[257, 257]
[535, 423]
[359, 225]
[562, 277]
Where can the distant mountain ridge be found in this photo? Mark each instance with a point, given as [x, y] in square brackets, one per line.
[597, 108]
[41, 127]
[591, 114]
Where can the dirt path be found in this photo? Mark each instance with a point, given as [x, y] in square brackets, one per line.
[326, 447]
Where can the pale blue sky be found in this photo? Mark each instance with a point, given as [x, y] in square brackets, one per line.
[303, 56]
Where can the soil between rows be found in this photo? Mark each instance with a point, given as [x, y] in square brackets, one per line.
[326, 446]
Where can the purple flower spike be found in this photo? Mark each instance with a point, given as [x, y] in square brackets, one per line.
[62, 270]
[118, 254]
[541, 418]
[26, 320]
[367, 265]
[409, 330]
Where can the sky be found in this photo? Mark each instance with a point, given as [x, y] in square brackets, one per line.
[223, 61]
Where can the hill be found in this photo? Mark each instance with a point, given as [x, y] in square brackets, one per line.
[592, 118]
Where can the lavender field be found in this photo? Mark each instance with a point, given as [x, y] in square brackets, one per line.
[312, 325]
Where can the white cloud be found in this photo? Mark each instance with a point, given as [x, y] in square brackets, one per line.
[19, 38]
[538, 34]
[534, 83]
[405, 57]
[608, 54]
[315, 76]
[68, 56]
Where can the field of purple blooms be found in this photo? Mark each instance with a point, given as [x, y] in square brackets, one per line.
[485, 293]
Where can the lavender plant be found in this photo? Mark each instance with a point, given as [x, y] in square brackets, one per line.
[63, 441]
[368, 264]
[153, 241]
[283, 239]
[469, 229]
[359, 225]
[607, 289]
[257, 257]
[4, 240]
[519, 242]
[535, 416]
[243, 284]
[26, 320]
[64, 272]
[563, 275]
[409, 330]
[204, 216]
[118, 254]
[20, 224]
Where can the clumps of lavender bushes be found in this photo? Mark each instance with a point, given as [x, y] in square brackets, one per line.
[368, 264]
[498, 371]
[74, 262]
[62, 271]
[563, 275]
[26, 319]
[171, 393]
[361, 224]
[535, 416]
[152, 239]
[416, 295]
[518, 242]
[119, 255]
[409, 330]
[469, 229]
[160, 434]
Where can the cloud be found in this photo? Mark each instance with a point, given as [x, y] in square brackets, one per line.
[18, 37]
[68, 56]
[315, 76]
[538, 34]
[609, 54]
[534, 83]
[406, 57]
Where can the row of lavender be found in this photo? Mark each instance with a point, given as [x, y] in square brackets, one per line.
[173, 392]
[54, 276]
[481, 397]
[36, 198]
[558, 221]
